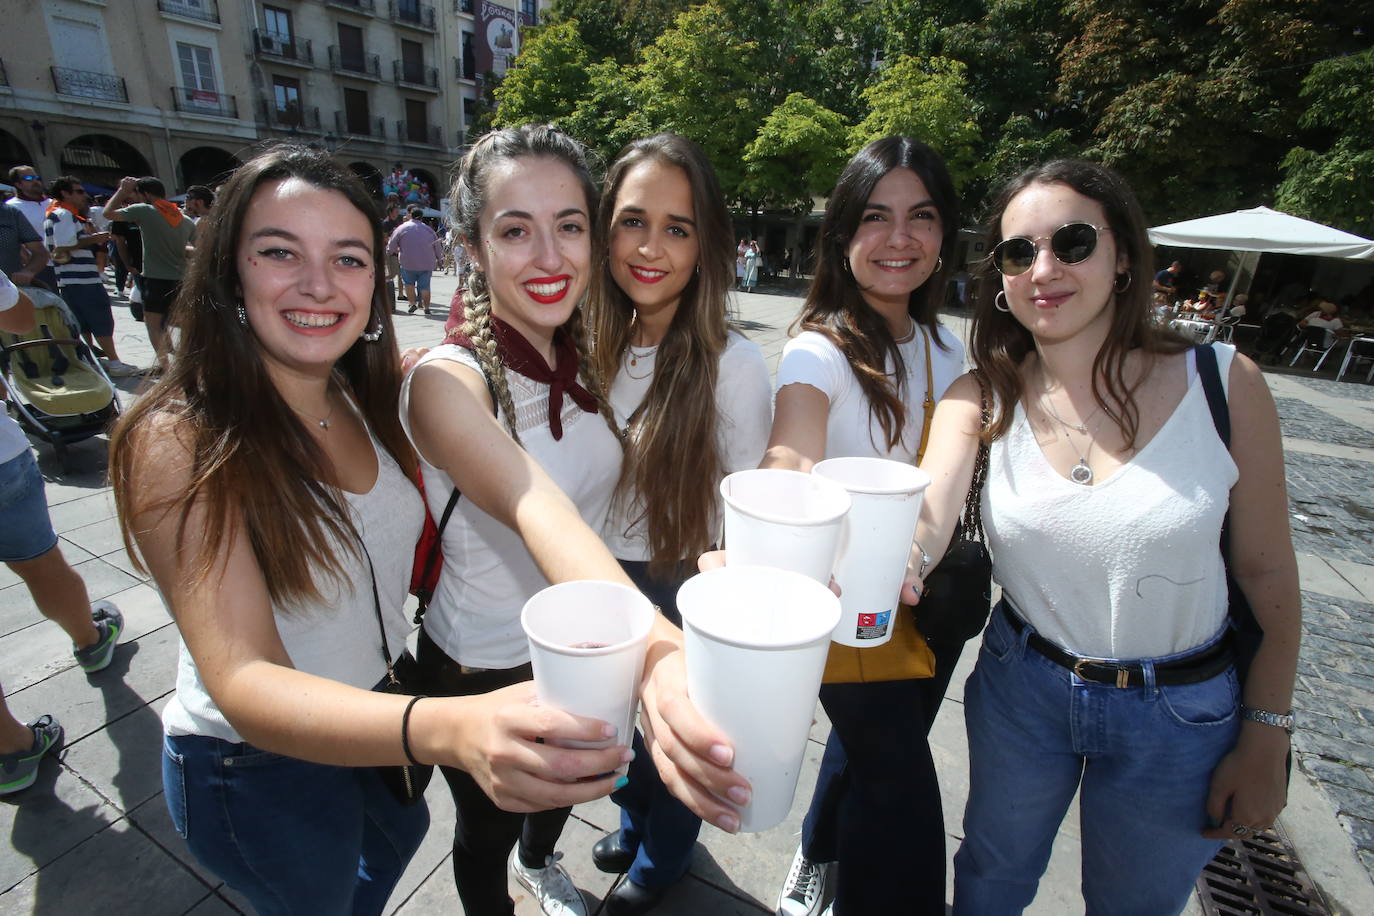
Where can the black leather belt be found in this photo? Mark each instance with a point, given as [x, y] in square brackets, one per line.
[1202, 665]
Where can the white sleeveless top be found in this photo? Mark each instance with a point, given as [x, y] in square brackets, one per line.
[488, 573]
[1127, 568]
[337, 638]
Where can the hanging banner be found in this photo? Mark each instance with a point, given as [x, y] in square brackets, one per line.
[498, 39]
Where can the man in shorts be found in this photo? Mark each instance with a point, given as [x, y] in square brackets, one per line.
[166, 233]
[72, 240]
[420, 252]
[28, 546]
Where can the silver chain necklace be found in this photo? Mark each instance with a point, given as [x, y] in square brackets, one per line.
[1080, 473]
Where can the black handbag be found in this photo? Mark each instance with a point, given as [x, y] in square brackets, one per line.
[957, 598]
[407, 782]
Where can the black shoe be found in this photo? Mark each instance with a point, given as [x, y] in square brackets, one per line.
[411, 310]
[630, 899]
[609, 856]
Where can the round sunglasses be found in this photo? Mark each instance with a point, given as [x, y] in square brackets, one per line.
[1070, 244]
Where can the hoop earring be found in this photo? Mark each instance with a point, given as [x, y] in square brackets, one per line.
[999, 301]
[243, 314]
[1118, 286]
[372, 336]
[939, 263]
[844, 261]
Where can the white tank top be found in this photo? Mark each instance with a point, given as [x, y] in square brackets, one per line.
[488, 573]
[337, 638]
[1129, 567]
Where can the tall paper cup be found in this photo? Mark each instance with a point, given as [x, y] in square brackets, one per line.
[587, 642]
[784, 519]
[756, 641]
[875, 542]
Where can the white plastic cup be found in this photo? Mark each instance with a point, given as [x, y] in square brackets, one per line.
[783, 519]
[875, 542]
[587, 642]
[756, 642]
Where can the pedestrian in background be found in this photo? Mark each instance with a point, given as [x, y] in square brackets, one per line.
[420, 253]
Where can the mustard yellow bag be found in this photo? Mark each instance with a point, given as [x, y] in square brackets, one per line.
[901, 658]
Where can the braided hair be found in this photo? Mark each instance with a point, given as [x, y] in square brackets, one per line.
[469, 183]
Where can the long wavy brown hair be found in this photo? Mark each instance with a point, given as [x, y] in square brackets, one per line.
[255, 467]
[673, 455]
[470, 176]
[835, 305]
[999, 343]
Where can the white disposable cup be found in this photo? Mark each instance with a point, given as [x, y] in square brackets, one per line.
[601, 682]
[756, 642]
[875, 542]
[784, 519]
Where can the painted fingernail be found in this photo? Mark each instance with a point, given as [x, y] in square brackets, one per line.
[738, 794]
[622, 782]
[627, 755]
[722, 754]
[728, 822]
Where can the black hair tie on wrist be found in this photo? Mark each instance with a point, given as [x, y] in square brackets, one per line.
[405, 731]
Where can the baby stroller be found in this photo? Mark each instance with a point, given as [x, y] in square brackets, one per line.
[54, 385]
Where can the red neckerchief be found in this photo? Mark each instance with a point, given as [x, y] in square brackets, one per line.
[519, 356]
[170, 212]
[54, 205]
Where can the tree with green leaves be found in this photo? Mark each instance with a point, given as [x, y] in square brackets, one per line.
[925, 99]
[550, 76]
[798, 153]
[1335, 185]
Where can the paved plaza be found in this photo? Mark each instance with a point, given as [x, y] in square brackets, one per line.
[93, 834]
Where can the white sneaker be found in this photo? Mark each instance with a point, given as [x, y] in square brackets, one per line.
[550, 885]
[804, 888]
[119, 369]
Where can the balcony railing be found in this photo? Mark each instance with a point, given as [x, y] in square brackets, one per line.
[293, 118]
[368, 129]
[462, 6]
[411, 75]
[415, 132]
[364, 65]
[465, 68]
[415, 15]
[204, 10]
[366, 7]
[89, 85]
[287, 48]
[204, 102]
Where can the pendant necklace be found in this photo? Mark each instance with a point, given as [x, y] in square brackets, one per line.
[1080, 473]
[322, 423]
[633, 358]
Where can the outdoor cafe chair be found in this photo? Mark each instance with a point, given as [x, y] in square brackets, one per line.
[1361, 348]
[1313, 340]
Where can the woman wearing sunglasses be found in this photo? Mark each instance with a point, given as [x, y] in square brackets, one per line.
[1106, 669]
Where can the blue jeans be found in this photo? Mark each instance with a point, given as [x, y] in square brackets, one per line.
[1141, 757]
[291, 836]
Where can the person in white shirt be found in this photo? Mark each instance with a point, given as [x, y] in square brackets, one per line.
[1327, 316]
[1108, 671]
[693, 398]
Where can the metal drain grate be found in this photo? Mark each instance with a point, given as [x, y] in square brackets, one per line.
[1256, 877]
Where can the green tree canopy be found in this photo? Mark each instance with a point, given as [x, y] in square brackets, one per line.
[549, 77]
[797, 154]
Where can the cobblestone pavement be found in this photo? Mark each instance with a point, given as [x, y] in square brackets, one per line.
[93, 833]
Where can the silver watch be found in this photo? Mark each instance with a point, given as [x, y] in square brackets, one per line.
[1265, 717]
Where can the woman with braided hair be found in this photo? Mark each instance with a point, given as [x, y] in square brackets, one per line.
[506, 414]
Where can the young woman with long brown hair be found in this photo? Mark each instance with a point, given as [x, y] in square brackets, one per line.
[263, 480]
[855, 382]
[511, 415]
[692, 396]
[1107, 670]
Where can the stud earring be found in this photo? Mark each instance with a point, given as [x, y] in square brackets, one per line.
[243, 314]
[845, 262]
[999, 301]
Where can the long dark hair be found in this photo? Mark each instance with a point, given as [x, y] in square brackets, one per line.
[999, 343]
[673, 456]
[253, 461]
[835, 306]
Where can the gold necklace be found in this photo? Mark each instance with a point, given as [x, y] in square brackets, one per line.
[634, 361]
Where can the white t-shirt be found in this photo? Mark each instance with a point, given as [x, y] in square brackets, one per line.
[744, 412]
[12, 439]
[1318, 319]
[338, 638]
[851, 432]
[488, 573]
[35, 210]
[61, 230]
[1131, 566]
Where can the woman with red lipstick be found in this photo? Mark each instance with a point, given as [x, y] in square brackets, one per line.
[1108, 670]
[858, 381]
[513, 434]
[693, 397]
[264, 483]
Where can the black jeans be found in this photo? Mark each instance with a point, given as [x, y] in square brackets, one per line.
[484, 834]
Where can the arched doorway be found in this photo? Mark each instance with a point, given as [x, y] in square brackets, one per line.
[207, 165]
[100, 159]
[13, 152]
[427, 180]
[371, 177]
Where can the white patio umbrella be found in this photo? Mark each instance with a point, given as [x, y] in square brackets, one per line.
[1265, 230]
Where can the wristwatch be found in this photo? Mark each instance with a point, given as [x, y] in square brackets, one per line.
[1265, 717]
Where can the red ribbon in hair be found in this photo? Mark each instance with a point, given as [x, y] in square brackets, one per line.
[518, 355]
